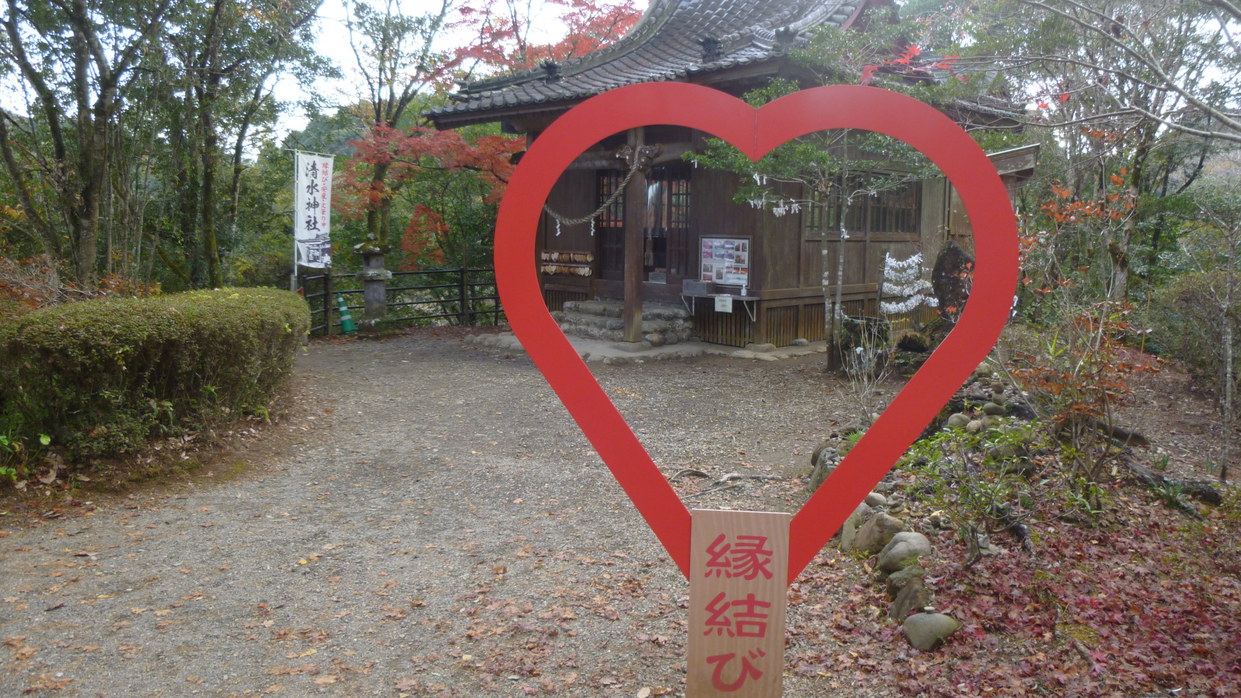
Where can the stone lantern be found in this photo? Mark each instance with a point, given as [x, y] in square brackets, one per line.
[374, 281]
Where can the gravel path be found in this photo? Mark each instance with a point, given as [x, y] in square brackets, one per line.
[427, 520]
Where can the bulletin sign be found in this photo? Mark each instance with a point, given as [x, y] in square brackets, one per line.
[726, 261]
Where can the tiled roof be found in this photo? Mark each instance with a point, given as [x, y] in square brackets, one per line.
[674, 40]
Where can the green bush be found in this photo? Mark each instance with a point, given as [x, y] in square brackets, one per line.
[101, 377]
[1187, 322]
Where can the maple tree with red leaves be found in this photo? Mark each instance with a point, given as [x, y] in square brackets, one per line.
[503, 30]
[405, 155]
[392, 157]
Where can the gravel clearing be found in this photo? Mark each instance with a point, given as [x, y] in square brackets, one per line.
[426, 520]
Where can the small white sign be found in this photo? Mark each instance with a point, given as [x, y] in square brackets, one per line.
[724, 303]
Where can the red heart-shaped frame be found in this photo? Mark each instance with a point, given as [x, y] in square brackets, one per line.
[755, 132]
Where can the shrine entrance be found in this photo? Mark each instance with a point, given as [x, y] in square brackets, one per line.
[666, 257]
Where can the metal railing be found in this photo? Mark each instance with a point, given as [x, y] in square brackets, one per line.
[414, 298]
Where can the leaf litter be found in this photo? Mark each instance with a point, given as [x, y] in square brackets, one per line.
[425, 520]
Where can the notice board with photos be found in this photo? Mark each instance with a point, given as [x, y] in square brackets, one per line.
[726, 260]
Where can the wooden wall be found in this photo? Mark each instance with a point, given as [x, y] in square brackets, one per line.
[787, 262]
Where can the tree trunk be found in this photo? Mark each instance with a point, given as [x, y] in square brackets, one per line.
[210, 239]
[835, 308]
[377, 216]
[1228, 339]
[83, 198]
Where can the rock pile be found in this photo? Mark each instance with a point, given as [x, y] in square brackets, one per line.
[872, 530]
[875, 531]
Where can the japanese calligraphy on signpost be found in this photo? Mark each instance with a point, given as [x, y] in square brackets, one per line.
[312, 204]
[738, 575]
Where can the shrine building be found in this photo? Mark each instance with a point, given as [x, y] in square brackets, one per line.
[675, 238]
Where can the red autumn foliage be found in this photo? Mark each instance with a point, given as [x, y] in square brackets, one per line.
[502, 30]
[422, 237]
[1115, 204]
[407, 152]
[1094, 613]
[906, 65]
[388, 158]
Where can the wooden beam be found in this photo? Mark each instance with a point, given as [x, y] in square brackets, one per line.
[595, 160]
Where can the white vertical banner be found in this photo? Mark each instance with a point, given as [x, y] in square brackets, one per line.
[312, 205]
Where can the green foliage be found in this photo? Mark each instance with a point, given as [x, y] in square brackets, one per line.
[1194, 317]
[1186, 322]
[966, 476]
[996, 479]
[100, 377]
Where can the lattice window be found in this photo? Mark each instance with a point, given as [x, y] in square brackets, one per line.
[610, 226]
[890, 211]
[667, 221]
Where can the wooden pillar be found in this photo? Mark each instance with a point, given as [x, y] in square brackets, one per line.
[635, 224]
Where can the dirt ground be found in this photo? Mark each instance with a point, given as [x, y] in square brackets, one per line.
[425, 520]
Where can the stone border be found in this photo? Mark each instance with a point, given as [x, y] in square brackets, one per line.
[619, 353]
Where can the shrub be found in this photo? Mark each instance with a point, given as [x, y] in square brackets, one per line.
[1079, 377]
[1187, 322]
[914, 342]
[103, 376]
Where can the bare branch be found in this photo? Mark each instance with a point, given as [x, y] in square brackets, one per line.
[1134, 47]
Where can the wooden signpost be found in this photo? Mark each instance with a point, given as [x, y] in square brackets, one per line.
[736, 646]
[737, 595]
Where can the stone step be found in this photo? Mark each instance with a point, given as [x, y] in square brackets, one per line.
[574, 318]
[593, 332]
[595, 307]
[662, 323]
[569, 318]
[616, 309]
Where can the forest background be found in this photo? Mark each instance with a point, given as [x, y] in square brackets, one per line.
[141, 140]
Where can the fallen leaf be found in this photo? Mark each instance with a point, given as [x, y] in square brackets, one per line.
[43, 682]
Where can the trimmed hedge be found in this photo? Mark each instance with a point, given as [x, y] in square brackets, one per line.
[102, 377]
